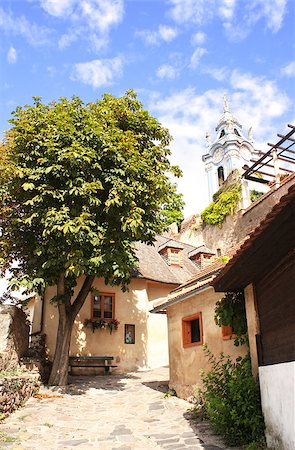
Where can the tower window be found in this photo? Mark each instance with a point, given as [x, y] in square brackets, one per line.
[220, 173]
[236, 132]
[222, 134]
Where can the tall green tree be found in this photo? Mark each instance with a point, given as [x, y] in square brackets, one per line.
[85, 183]
[172, 210]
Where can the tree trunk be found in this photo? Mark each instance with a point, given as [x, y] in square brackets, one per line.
[59, 371]
[67, 314]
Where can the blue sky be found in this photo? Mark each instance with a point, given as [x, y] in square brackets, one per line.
[179, 55]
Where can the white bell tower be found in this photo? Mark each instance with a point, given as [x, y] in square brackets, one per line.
[230, 150]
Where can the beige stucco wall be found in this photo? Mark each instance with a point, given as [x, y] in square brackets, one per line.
[186, 363]
[150, 348]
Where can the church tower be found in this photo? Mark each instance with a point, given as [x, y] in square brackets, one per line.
[230, 150]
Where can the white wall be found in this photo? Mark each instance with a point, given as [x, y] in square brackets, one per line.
[277, 385]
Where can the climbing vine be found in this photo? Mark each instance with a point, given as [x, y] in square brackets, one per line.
[231, 311]
[224, 203]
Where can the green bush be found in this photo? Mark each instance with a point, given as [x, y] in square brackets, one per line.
[230, 399]
[224, 204]
[231, 311]
[255, 195]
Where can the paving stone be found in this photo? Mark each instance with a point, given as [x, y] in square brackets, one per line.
[156, 407]
[174, 447]
[168, 441]
[192, 441]
[163, 435]
[120, 430]
[74, 443]
[210, 447]
[117, 412]
[126, 438]
[188, 434]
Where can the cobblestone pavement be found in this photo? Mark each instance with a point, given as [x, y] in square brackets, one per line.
[106, 413]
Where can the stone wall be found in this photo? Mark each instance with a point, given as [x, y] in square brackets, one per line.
[234, 228]
[14, 336]
[15, 391]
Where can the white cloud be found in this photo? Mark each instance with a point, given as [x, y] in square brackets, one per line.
[163, 33]
[67, 39]
[57, 8]
[99, 72]
[227, 8]
[255, 101]
[198, 12]
[289, 70]
[167, 33]
[238, 16]
[12, 55]
[196, 57]
[218, 73]
[34, 34]
[263, 100]
[101, 14]
[272, 12]
[90, 19]
[167, 71]
[198, 38]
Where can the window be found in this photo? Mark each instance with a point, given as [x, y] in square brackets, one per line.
[172, 256]
[222, 134]
[227, 332]
[103, 306]
[175, 257]
[220, 173]
[129, 334]
[192, 332]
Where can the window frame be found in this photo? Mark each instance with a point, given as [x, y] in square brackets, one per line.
[102, 295]
[186, 343]
[131, 326]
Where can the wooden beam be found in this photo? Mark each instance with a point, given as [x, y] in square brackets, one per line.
[289, 138]
[271, 165]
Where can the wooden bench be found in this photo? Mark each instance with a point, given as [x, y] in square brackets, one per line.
[104, 362]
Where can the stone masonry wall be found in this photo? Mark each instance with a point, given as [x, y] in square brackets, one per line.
[15, 391]
[14, 336]
[235, 228]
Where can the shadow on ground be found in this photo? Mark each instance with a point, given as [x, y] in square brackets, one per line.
[203, 429]
[80, 384]
[160, 386]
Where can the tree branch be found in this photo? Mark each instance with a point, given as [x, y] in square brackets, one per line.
[84, 291]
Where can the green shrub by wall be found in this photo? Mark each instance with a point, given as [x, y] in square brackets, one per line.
[224, 203]
[231, 400]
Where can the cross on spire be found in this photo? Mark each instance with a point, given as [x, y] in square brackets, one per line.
[225, 103]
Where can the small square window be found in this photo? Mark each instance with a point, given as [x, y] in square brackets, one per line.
[129, 336]
[192, 331]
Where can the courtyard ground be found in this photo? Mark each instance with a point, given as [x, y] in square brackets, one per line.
[127, 412]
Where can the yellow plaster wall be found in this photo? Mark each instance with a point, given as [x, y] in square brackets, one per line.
[37, 315]
[150, 348]
[157, 327]
[186, 363]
